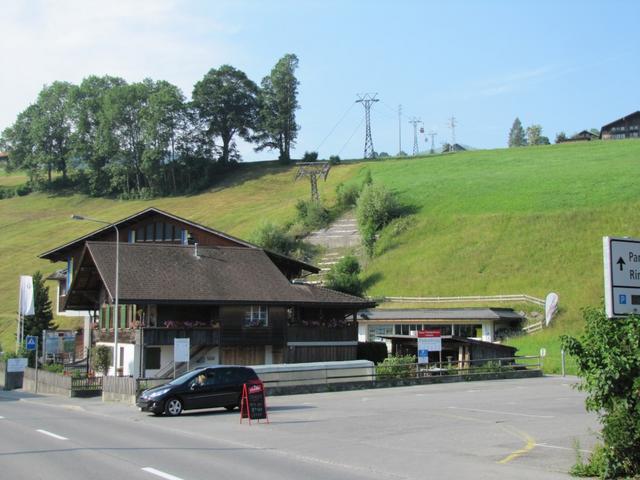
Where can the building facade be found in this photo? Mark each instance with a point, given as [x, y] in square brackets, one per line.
[625, 127]
[237, 303]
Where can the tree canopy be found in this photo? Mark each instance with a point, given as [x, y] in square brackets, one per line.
[516, 134]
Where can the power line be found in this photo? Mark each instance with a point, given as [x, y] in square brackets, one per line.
[351, 136]
[335, 126]
[367, 100]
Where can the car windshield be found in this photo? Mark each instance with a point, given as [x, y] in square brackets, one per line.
[185, 377]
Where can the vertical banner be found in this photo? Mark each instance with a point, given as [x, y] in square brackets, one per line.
[26, 295]
[550, 307]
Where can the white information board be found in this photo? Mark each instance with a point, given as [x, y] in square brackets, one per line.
[621, 276]
[16, 365]
[181, 350]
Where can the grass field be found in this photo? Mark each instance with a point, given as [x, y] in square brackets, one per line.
[507, 221]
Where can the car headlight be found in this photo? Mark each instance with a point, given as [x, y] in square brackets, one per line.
[157, 393]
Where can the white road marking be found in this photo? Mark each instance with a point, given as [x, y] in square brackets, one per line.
[546, 445]
[502, 413]
[59, 437]
[160, 473]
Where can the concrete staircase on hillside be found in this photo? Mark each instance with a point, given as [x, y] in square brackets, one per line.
[338, 238]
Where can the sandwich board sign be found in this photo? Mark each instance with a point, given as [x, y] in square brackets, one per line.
[621, 276]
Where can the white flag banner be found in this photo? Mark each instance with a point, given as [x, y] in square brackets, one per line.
[26, 295]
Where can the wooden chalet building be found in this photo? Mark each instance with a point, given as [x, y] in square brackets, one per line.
[625, 127]
[583, 136]
[236, 302]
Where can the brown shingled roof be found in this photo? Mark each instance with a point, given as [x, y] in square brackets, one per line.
[157, 273]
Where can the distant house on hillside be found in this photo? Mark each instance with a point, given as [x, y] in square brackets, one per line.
[583, 136]
[456, 147]
[625, 127]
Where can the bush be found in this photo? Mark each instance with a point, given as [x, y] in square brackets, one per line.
[346, 196]
[377, 206]
[272, 237]
[343, 276]
[53, 367]
[102, 359]
[312, 214]
[310, 157]
[608, 360]
[397, 367]
[334, 160]
[375, 352]
[595, 465]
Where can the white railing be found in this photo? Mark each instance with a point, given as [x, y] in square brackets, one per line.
[466, 299]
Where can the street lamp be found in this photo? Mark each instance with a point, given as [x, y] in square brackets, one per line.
[115, 326]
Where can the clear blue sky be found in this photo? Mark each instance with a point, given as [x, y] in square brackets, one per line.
[565, 65]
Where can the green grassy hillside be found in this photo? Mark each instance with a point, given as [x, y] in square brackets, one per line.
[526, 220]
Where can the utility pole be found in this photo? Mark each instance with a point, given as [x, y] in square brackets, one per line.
[452, 125]
[415, 121]
[432, 134]
[399, 128]
[367, 99]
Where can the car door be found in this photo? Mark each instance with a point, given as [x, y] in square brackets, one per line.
[231, 388]
[194, 394]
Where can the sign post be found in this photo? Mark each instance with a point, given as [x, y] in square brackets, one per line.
[181, 352]
[621, 276]
[32, 345]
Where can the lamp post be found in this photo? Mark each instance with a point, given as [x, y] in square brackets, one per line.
[115, 326]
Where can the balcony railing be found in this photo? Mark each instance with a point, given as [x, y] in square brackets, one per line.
[322, 334]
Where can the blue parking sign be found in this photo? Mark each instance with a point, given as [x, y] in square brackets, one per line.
[622, 299]
[32, 342]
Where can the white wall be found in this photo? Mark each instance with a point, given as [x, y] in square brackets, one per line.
[128, 358]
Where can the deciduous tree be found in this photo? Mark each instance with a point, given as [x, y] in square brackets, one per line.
[226, 101]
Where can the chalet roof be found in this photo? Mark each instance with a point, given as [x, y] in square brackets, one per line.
[55, 253]
[584, 133]
[455, 339]
[637, 112]
[157, 273]
[441, 314]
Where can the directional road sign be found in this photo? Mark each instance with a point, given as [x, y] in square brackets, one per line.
[621, 276]
[32, 342]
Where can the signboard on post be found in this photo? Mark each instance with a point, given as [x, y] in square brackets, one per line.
[16, 365]
[621, 276]
[428, 341]
[181, 350]
[31, 342]
[423, 351]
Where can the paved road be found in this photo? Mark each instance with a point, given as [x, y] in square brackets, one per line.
[507, 429]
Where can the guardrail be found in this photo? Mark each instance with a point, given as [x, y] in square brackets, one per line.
[466, 299]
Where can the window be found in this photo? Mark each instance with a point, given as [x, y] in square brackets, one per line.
[168, 232]
[152, 358]
[159, 231]
[149, 236]
[140, 234]
[177, 234]
[256, 316]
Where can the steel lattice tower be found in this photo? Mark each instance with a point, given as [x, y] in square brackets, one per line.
[367, 99]
[415, 121]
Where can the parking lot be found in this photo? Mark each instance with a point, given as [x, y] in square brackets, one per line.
[500, 429]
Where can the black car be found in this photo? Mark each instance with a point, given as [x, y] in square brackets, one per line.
[206, 387]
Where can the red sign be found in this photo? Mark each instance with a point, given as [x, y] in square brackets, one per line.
[428, 333]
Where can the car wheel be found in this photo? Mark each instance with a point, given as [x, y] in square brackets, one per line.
[231, 408]
[173, 407]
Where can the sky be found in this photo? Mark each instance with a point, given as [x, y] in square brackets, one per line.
[565, 65]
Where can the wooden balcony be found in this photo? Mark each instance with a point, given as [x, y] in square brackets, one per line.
[197, 336]
[236, 335]
[322, 334]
